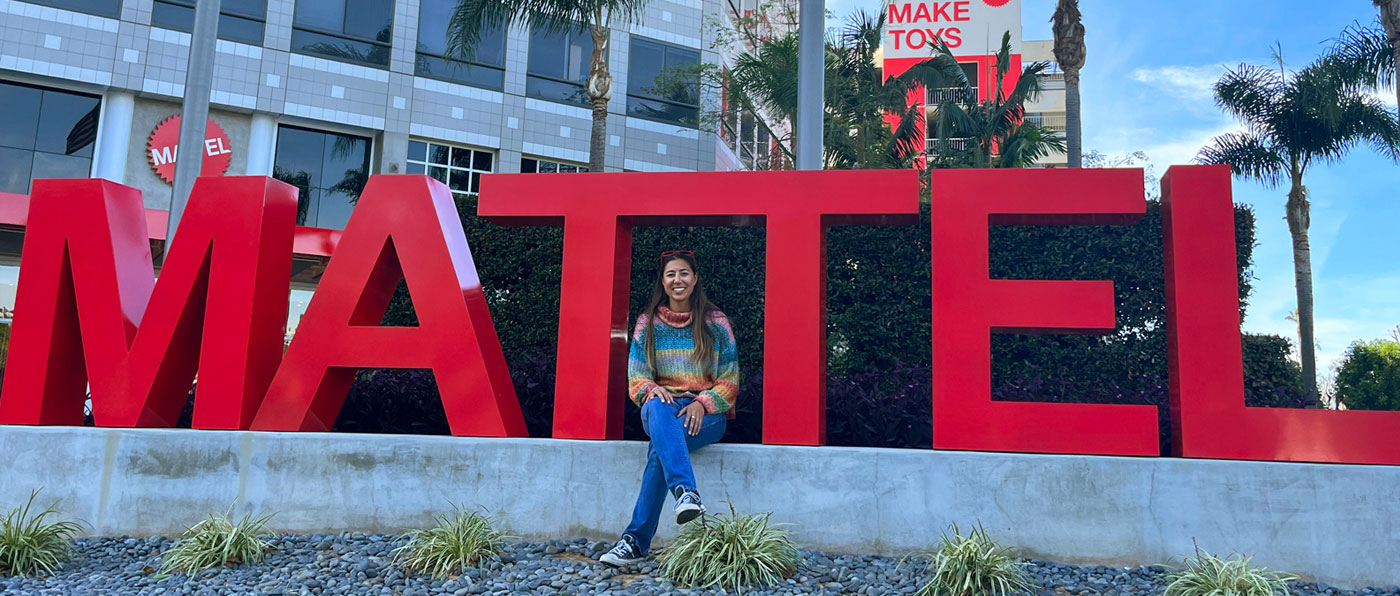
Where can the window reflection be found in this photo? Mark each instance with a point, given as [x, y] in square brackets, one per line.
[350, 30]
[44, 133]
[328, 169]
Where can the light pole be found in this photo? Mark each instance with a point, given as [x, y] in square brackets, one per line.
[811, 68]
[194, 113]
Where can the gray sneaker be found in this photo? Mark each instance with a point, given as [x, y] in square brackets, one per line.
[624, 553]
[688, 506]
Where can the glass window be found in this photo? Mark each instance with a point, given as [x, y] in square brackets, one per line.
[535, 165]
[359, 31]
[558, 65]
[45, 133]
[103, 8]
[460, 168]
[328, 169]
[239, 20]
[484, 67]
[663, 82]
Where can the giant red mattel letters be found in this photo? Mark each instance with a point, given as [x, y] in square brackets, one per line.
[404, 227]
[1209, 417]
[598, 212]
[968, 306]
[93, 312]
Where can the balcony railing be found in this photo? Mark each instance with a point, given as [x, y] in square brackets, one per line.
[939, 95]
[1050, 121]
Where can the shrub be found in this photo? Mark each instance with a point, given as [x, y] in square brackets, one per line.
[1208, 575]
[217, 542]
[972, 565]
[1369, 376]
[458, 541]
[31, 544]
[731, 552]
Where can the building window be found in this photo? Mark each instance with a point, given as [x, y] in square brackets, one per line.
[357, 31]
[239, 20]
[534, 165]
[558, 65]
[111, 9]
[485, 67]
[45, 133]
[329, 169]
[460, 168]
[663, 83]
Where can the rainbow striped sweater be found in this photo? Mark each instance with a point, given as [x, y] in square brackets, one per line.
[715, 387]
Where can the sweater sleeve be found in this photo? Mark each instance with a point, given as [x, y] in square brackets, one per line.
[720, 397]
[640, 376]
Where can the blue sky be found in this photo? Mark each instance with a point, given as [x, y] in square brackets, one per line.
[1146, 86]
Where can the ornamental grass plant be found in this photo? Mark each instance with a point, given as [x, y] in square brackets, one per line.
[730, 551]
[972, 565]
[217, 542]
[1208, 575]
[30, 545]
[459, 540]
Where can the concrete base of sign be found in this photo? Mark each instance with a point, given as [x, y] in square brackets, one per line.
[1337, 523]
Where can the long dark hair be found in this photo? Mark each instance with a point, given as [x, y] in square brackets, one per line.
[700, 309]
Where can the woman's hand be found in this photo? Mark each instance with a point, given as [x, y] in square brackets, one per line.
[693, 416]
[660, 393]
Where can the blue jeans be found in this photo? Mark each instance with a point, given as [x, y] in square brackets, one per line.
[668, 461]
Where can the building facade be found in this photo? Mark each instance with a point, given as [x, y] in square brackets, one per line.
[323, 93]
[319, 92]
[973, 31]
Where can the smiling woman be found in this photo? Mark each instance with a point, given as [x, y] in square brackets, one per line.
[683, 372]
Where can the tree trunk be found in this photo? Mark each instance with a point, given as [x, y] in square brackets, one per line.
[1390, 21]
[1073, 141]
[1298, 221]
[599, 92]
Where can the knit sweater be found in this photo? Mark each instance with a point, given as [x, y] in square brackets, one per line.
[715, 387]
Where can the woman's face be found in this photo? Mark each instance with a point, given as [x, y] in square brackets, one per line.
[678, 279]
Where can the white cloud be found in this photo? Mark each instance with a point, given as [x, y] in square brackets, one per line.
[1194, 83]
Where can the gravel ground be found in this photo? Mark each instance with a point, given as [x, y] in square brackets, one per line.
[354, 563]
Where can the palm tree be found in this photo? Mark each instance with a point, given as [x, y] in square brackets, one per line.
[1070, 53]
[1293, 120]
[472, 17]
[991, 133]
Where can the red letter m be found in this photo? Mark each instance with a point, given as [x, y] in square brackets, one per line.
[87, 283]
[900, 17]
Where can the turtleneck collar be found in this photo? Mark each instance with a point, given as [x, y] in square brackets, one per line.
[672, 318]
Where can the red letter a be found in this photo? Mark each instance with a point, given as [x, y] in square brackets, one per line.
[403, 227]
[86, 284]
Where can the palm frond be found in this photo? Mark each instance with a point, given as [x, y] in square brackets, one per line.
[1362, 56]
[1250, 92]
[1247, 154]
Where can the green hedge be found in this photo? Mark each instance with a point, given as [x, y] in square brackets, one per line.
[1369, 376]
[878, 295]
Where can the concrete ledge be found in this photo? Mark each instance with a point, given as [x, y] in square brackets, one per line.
[1338, 523]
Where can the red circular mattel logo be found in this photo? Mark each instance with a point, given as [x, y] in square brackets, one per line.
[163, 147]
[996, 3]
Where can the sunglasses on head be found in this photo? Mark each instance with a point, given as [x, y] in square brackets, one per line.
[677, 253]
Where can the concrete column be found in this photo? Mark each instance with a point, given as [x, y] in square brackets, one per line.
[393, 153]
[113, 136]
[262, 145]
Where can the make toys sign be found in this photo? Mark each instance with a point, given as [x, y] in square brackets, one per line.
[913, 28]
[92, 313]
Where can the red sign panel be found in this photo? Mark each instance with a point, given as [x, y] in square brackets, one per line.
[164, 146]
[93, 314]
